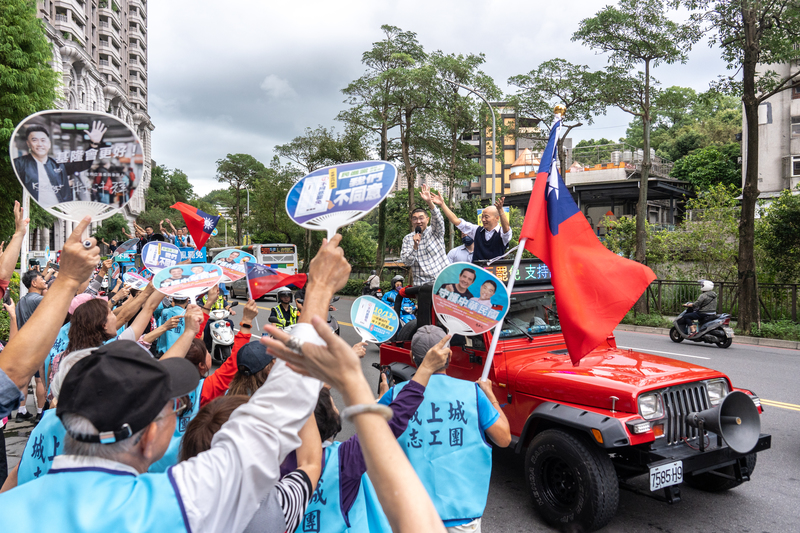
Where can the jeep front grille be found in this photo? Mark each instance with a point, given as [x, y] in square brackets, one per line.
[679, 402]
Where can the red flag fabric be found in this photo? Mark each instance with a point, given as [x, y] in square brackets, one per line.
[594, 287]
[200, 223]
[262, 279]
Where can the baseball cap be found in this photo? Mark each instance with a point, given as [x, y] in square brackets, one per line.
[424, 339]
[252, 358]
[121, 389]
[82, 299]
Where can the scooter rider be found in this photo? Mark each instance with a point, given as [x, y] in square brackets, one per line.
[372, 284]
[389, 297]
[284, 314]
[705, 304]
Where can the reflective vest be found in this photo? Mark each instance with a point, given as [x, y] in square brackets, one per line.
[324, 512]
[447, 448]
[95, 499]
[219, 304]
[285, 319]
[44, 444]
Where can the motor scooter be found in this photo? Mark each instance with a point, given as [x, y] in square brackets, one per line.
[221, 330]
[332, 322]
[712, 329]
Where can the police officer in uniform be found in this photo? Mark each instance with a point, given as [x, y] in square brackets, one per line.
[284, 314]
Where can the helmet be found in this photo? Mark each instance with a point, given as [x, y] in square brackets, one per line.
[374, 272]
[396, 279]
[282, 291]
[706, 285]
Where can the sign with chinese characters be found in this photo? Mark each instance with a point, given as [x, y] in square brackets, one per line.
[187, 281]
[126, 248]
[530, 271]
[135, 281]
[277, 249]
[232, 263]
[77, 163]
[373, 320]
[115, 271]
[195, 256]
[335, 196]
[469, 300]
[159, 255]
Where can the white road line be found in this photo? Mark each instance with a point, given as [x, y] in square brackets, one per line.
[666, 353]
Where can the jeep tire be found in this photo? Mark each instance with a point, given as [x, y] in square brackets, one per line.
[571, 480]
[710, 482]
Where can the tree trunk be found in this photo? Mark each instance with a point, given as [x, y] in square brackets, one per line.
[641, 206]
[307, 251]
[405, 140]
[748, 292]
[238, 223]
[380, 256]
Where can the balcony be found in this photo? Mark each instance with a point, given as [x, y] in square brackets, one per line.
[61, 18]
[108, 48]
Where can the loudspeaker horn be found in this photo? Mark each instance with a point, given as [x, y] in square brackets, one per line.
[735, 419]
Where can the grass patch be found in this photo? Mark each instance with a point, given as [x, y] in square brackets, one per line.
[652, 320]
[779, 329]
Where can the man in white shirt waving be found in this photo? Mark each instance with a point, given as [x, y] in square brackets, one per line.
[491, 237]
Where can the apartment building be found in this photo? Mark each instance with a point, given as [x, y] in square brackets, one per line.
[100, 50]
[778, 137]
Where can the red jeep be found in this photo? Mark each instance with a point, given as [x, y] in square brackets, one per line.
[587, 430]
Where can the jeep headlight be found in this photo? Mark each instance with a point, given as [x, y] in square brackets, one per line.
[717, 390]
[650, 406]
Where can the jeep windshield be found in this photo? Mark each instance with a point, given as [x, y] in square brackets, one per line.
[531, 313]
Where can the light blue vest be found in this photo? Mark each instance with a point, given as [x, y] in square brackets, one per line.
[166, 340]
[59, 346]
[44, 444]
[447, 448]
[324, 512]
[95, 499]
[172, 454]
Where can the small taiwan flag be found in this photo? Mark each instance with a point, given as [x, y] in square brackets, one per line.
[262, 279]
[200, 224]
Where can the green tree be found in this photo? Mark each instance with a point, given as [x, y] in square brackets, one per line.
[710, 166]
[358, 243]
[778, 235]
[270, 222]
[636, 34]
[374, 106]
[751, 33]
[559, 82]
[112, 229]
[27, 85]
[240, 172]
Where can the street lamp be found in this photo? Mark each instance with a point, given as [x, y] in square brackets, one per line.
[494, 145]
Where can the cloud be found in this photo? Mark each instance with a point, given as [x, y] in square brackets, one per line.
[277, 88]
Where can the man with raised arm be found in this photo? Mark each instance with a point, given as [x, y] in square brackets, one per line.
[491, 238]
[423, 250]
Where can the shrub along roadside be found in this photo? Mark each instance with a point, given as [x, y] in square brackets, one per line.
[13, 288]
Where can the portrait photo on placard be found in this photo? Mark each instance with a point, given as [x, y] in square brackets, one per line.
[187, 280]
[232, 263]
[469, 299]
[77, 163]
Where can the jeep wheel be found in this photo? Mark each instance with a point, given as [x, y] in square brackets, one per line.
[407, 331]
[726, 343]
[710, 482]
[674, 336]
[571, 480]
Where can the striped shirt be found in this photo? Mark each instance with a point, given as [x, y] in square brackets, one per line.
[429, 258]
[283, 508]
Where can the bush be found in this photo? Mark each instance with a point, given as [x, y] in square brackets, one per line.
[779, 329]
[13, 288]
[653, 320]
[354, 286]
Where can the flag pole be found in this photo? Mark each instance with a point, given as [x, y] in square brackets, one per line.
[496, 334]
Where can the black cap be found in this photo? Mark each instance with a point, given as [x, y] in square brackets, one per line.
[121, 389]
[253, 358]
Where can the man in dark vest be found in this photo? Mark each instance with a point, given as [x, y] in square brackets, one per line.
[491, 237]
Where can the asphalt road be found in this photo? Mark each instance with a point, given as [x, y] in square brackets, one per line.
[768, 503]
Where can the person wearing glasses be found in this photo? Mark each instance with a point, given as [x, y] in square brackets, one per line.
[423, 249]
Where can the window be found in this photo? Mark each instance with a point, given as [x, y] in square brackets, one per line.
[795, 126]
[531, 314]
[795, 166]
[796, 90]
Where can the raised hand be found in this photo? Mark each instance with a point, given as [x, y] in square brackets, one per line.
[78, 262]
[329, 268]
[425, 193]
[437, 357]
[360, 348]
[193, 317]
[250, 311]
[499, 204]
[20, 222]
[437, 199]
[97, 132]
[172, 323]
[10, 308]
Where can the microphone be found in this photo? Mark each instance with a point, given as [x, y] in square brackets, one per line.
[417, 230]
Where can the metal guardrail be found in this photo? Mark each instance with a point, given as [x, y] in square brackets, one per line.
[778, 300]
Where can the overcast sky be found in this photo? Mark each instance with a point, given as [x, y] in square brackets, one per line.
[243, 76]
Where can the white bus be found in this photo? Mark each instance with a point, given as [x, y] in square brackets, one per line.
[281, 257]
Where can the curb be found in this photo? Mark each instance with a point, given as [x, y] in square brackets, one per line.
[756, 341]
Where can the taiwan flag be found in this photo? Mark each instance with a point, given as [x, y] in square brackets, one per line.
[262, 279]
[594, 287]
[200, 224]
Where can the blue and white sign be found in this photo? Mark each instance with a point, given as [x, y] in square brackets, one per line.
[374, 320]
[123, 248]
[469, 300]
[335, 196]
[195, 256]
[159, 255]
[135, 281]
[215, 232]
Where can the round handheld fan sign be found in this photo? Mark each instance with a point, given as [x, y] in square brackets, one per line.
[338, 195]
[77, 163]
[469, 300]
[373, 319]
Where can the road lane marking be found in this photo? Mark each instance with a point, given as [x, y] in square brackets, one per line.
[646, 350]
[780, 405]
[346, 324]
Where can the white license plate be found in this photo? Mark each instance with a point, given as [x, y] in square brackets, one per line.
[666, 475]
[728, 332]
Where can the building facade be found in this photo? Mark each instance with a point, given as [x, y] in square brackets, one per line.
[100, 51]
[778, 137]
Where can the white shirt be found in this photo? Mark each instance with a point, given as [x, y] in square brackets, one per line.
[469, 228]
[221, 488]
[47, 196]
[459, 254]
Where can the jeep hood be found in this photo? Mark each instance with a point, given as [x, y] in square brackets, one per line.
[601, 374]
